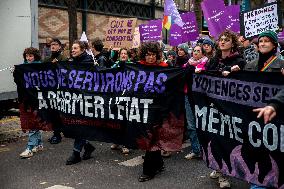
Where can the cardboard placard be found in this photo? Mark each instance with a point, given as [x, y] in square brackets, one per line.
[119, 32]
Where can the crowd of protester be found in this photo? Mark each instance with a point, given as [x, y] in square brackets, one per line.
[229, 53]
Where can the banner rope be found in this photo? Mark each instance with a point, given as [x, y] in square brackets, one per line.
[11, 68]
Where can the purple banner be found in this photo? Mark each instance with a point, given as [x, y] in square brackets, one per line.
[151, 31]
[170, 9]
[190, 27]
[175, 35]
[215, 15]
[155, 30]
[234, 18]
[281, 36]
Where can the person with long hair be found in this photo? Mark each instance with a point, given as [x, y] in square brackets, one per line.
[79, 55]
[197, 61]
[31, 55]
[122, 60]
[150, 55]
[226, 60]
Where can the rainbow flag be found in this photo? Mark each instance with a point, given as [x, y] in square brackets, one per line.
[171, 15]
[167, 22]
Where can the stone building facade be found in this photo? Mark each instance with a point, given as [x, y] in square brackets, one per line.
[54, 23]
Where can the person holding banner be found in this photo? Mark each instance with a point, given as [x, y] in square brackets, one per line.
[228, 58]
[276, 104]
[79, 55]
[31, 55]
[123, 59]
[209, 46]
[182, 55]
[268, 112]
[150, 54]
[267, 60]
[198, 61]
[56, 56]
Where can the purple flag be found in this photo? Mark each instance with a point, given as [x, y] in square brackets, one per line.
[281, 36]
[234, 18]
[216, 16]
[144, 32]
[155, 30]
[170, 9]
[151, 31]
[175, 35]
[190, 27]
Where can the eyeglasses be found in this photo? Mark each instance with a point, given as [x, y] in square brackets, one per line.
[151, 54]
[225, 39]
[197, 51]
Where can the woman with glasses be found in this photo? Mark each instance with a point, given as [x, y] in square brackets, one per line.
[228, 58]
[198, 59]
[150, 55]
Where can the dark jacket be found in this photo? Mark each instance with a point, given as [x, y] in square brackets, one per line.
[83, 58]
[278, 101]
[102, 60]
[219, 64]
[180, 61]
[58, 55]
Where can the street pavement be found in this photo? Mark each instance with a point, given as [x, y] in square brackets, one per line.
[107, 169]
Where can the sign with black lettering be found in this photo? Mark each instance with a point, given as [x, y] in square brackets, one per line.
[119, 32]
[135, 105]
[233, 140]
[256, 21]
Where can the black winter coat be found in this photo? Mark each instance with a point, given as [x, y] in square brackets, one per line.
[83, 58]
[180, 61]
[278, 101]
[219, 64]
[102, 60]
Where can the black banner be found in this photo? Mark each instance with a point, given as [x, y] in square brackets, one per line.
[133, 105]
[233, 140]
